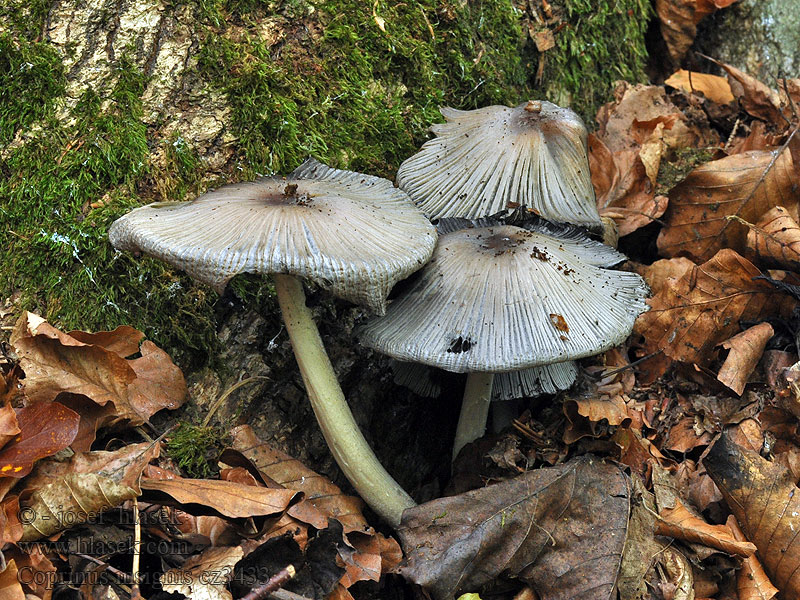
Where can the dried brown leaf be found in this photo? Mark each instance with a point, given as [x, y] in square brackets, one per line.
[560, 529]
[743, 185]
[756, 98]
[766, 503]
[9, 428]
[678, 25]
[775, 240]
[693, 314]
[56, 363]
[123, 341]
[59, 495]
[752, 582]
[679, 523]
[10, 587]
[365, 553]
[45, 428]
[713, 87]
[746, 349]
[319, 491]
[225, 497]
[657, 274]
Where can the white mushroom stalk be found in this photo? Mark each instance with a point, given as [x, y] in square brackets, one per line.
[486, 160]
[353, 234]
[502, 298]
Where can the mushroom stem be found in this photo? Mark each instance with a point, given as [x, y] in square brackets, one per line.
[474, 410]
[348, 446]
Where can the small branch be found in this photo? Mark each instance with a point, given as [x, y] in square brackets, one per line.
[274, 583]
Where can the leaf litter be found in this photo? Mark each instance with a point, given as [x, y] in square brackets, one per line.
[628, 486]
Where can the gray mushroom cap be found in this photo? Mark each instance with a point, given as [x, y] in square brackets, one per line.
[353, 234]
[485, 160]
[503, 298]
[510, 385]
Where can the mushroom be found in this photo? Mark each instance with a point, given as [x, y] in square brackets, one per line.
[353, 234]
[486, 160]
[500, 298]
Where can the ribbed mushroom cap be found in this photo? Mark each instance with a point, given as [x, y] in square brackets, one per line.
[534, 381]
[510, 385]
[504, 298]
[485, 160]
[354, 234]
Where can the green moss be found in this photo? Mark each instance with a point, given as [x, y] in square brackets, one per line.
[674, 168]
[31, 79]
[302, 79]
[602, 42]
[339, 88]
[58, 194]
[196, 448]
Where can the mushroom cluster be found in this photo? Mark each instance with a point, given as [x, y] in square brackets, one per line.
[516, 295]
[496, 298]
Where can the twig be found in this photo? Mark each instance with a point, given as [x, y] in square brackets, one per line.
[272, 585]
[137, 544]
[116, 572]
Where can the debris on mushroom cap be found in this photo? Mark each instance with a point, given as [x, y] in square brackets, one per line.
[570, 236]
[485, 160]
[354, 234]
[504, 298]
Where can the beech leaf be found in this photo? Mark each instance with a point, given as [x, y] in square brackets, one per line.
[775, 240]
[225, 497]
[45, 428]
[752, 582]
[742, 185]
[679, 523]
[691, 315]
[746, 349]
[766, 503]
[560, 529]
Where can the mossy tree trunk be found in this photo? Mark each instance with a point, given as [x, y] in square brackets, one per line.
[110, 104]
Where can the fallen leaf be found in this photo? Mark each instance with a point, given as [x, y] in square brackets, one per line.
[9, 428]
[224, 497]
[713, 87]
[58, 495]
[123, 341]
[642, 548]
[559, 529]
[752, 582]
[775, 240]
[56, 363]
[678, 23]
[657, 274]
[10, 587]
[45, 428]
[679, 523]
[623, 188]
[756, 98]
[742, 185]
[319, 491]
[693, 314]
[766, 503]
[684, 437]
[584, 413]
[204, 576]
[648, 104]
[746, 349]
[364, 552]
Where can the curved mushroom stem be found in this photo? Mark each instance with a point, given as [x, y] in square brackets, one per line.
[474, 410]
[348, 446]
